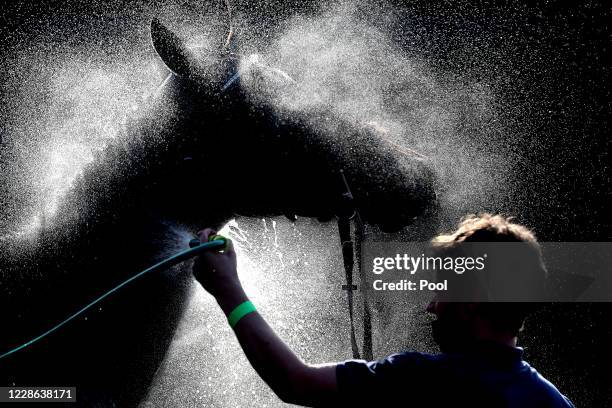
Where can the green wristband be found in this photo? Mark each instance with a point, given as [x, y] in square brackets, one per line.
[239, 312]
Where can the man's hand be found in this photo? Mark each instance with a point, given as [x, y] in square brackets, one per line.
[216, 271]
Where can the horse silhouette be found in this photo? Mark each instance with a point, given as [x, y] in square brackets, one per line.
[213, 146]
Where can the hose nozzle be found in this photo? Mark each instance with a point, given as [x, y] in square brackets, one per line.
[216, 237]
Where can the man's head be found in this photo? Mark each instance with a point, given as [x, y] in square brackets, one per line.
[461, 323]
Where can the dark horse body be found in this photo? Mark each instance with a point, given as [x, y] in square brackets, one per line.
[200, 157]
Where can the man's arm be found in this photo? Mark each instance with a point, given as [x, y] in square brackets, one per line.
[290, 378]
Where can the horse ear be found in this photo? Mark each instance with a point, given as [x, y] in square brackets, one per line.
[170, 49]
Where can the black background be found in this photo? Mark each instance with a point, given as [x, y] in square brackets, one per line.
[550, 61]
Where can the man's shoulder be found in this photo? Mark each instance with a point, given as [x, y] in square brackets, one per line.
[383, 373]
[404, 360]
[390, 367]
[407, 360]
[404, 357]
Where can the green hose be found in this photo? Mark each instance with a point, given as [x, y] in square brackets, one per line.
[196, 247]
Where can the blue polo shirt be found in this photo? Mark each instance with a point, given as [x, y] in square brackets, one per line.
[486, 375]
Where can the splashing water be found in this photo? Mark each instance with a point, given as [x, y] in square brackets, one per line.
[276, 246]
[347, 67]
[342, 64]
[304, 303]
[89, 104]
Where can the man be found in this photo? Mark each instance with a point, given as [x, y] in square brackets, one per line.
[480, 364]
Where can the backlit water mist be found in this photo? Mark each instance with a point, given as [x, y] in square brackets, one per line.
[340, 63]
[73, 84]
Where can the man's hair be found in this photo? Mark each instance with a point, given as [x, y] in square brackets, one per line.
[503, 317]
[486, 228]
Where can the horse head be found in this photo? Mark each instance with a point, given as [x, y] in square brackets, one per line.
[213, 144]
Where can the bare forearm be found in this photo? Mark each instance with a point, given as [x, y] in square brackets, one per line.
[288, 376]
[273, 360]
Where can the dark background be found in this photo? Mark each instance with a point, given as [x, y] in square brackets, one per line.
[548, 59]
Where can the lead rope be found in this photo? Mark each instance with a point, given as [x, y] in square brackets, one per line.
[351, 248]
[344, 228]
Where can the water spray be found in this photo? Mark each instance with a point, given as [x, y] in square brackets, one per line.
[215, 243]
